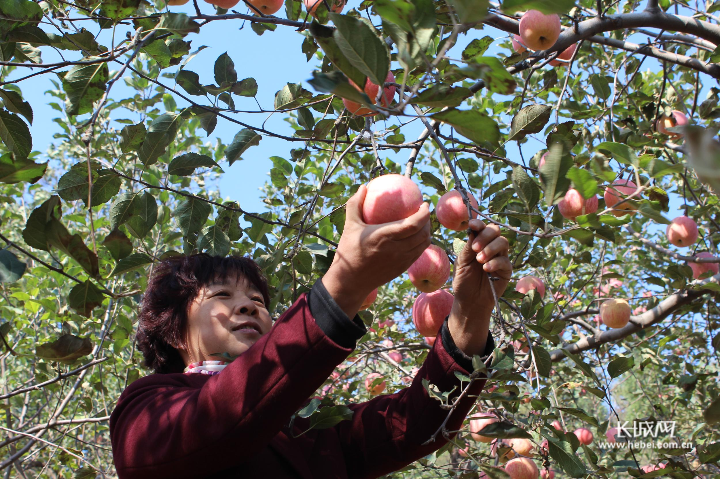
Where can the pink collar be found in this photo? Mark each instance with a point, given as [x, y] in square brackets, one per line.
[208, 367]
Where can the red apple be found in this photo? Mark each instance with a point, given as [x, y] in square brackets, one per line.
[699, 269]
[584, 435]
[396, 357]
[547, 474]
[177, 2]
[610, 434]
[522, 468]
[478, 422]
[520, 346]
[619, 190]
[682, 231]
[387, 323]
[675, 119]
[369, 300]
[430, 340]
[556, 425]
[377, 389]
[431, 270]
[390, 198]
[223, 3]
[539, 31]
[615, 313]
[312, 5]
[530, 282]
[566, 55]
[518, 45]
[452, 212]
[521, 446]
[266, 7]
[573, 204]
[429, 311]
[372, 91]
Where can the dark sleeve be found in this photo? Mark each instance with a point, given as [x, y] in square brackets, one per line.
[165, 425]
[388, 432]
[332, 320]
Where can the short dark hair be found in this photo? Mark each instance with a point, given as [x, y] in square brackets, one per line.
[176, 282]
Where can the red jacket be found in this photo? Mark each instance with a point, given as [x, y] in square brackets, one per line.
[235, 424]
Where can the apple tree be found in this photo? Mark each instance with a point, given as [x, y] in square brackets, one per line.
[583, 129]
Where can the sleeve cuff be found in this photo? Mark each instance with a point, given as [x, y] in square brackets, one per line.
[332, 320]
[460, 358]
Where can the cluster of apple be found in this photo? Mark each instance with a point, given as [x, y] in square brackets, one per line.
[540, 32]
[268, 7]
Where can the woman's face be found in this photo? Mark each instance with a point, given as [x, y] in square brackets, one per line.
[225, 317]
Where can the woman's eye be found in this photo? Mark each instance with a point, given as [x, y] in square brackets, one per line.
[221, 293]
[259, 300]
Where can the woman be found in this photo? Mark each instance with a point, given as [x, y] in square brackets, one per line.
[192, 420]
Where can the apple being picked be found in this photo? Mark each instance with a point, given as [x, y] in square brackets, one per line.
[522, 468]
[452, 212]
[429, 311]
[618, 191]
[312, 5]
[700, 269]
[573, 204]
[372, 91]
[390, 198]
[530, 282]
[615, 313]
[682, 231]
[675, 119]
[539, 31]
[431, 270]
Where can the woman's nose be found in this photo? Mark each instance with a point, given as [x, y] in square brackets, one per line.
[247, 307]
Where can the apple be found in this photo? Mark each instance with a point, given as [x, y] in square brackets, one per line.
[266, 7]
[521, 446]
[369, 299]
[387, 323]
[396, 357]
[573, 204]
[542, 160]
[584, 435]
[699, 269]
[518, 45]
[520, 346]
[539, 31]
[431, 270]
[615, 313]
[652, 468]
[478, 422]
[566, 55]
[452, 212]
[312, 5]
[430, 340]
[618, 191]
[610, 434]
[548, 474]
[390, 198]
[429, 311]
[556, 425]
[372, 92]
[675, 119]
[377, 389]
[223, 3]
[522, 468]
[177, 2]
[530, 282]
[682, 231]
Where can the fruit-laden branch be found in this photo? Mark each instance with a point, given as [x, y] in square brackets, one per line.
[638, 322]
[253, 18]
[670, 253]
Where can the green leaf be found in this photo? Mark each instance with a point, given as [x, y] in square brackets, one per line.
[243, 140]
[85, 472]
[647, 211]
[530, 119]
[620, 365]
[214, 241]
[565, 458]
[470, 11]
[620, 152]
[503, 429]
[493, 72]
[430, 180]
[362, 47]
[543, 361]
[712, 413]
[34, 232]
[247, 87]
[399, 12]
[11, 269]
[545, 6]
[159, 52]
[14, 102]
[138, 210]
[131, 262]
[118, 244]
[583, 181]
[324, 37]
[85, 297]
[20, 10]
[74, 185]
[477, 47]
[186, 164]
[525, 187]
[303, 262]
[225, 73]
[192, 213]
[132, 137]
[473, 124]
[442, 95]
[15, 134]
[178, 23]
[587, 370]
[328, 417]
[576, 412]
[20, 170]
[117, 9]
[335, 82]
[493, 472]
[65, 349]
[291, 96]
[554, 173]
[190, 82]
[309, 409]
[84, 85]
[229, 221]
[586, 237]
[73, 245]
[161, 133]
[601, 86]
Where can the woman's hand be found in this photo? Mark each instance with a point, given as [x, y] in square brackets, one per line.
[371, 255]
[485, 253]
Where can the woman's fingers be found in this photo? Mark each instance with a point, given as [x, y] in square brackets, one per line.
[409, 226]
[484, 238]
[499, 246]
[501, 266]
